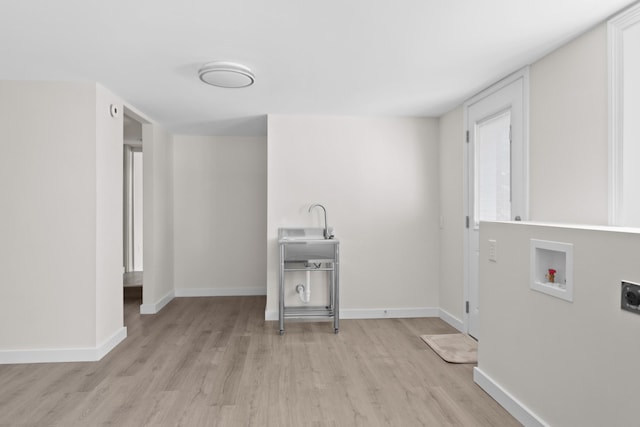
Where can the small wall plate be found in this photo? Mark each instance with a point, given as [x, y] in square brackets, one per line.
[630, 297]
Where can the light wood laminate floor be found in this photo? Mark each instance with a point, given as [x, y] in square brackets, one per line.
[216, 362]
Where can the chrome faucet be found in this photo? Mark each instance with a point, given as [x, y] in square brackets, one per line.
[326, 228]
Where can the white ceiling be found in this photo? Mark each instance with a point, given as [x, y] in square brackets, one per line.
[330, 57]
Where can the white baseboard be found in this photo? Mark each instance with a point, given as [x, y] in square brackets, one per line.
[199, 292]
[519, 411]
[56, 355]
[220, 292]
[158, 305]
[374, 313]
[271, 315]
[110, 343]
[390, 313]
[452, 320]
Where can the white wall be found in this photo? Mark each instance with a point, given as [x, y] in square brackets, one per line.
[60, 256]
[452, 216]
[378, 179]
[158, 289]
[569, 151]
[571, 364]
[47, 255]
[109, 200]
[220, 212]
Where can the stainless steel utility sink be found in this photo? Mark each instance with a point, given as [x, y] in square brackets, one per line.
[309, 250]
[306, 245]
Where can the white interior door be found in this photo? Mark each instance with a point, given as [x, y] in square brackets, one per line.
[133, 200]
[496, 188]
[136, 209]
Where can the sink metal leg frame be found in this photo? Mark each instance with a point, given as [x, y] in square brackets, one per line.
[335, 297]
[332, 310]
[281, 278]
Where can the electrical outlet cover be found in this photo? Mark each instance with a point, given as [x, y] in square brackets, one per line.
[630, 297]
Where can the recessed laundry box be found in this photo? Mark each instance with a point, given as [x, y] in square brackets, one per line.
[551, 268]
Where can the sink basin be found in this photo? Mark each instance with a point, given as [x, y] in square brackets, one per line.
[286, 234]
[306, 245]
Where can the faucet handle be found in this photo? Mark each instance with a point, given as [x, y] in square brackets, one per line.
[330, 234]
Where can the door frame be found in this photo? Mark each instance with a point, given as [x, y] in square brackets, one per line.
[616, 28]
[520, 74]
[129, 229]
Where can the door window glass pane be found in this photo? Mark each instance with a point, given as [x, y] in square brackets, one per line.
[493, 169]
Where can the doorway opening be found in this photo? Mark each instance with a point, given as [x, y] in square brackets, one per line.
[133, 266]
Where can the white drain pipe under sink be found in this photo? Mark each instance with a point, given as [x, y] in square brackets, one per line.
[304, 291]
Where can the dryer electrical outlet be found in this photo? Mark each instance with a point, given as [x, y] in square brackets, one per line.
[630, 297]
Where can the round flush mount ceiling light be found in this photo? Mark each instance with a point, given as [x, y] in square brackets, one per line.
[226, 74]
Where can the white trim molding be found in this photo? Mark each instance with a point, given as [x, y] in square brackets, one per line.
[512, 405]
[389, 313]
[110, 343]
[615, 31]
[271, 315]
[451, 320]
[57, 355]
[220, 292]
[154, 308]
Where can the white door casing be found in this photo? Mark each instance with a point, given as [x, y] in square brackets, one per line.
[624, 107]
